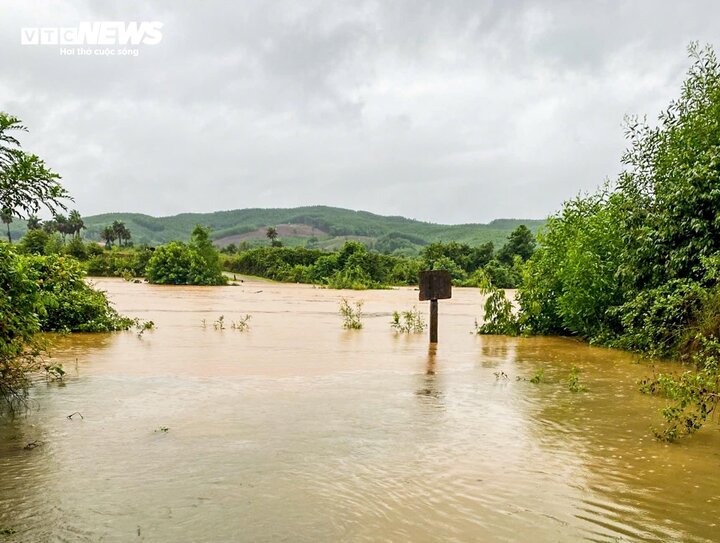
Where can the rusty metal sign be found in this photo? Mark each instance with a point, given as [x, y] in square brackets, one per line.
[435, 285]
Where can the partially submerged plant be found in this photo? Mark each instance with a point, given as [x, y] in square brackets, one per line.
[408, 322]
[573, 381]
[143, 326]
[539, 377]
[219, 324]
[695, 395]
[351, 315]
[54, 372]
[242, 324]
[498, 317]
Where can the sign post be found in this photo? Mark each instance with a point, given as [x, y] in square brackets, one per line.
[434, 285]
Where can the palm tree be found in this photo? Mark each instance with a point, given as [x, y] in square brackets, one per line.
[33, 223]
[62, 225]
[50, 226]
[108, 235]
[75, 223]
[121, 232]
[272, 235]
[7, 218]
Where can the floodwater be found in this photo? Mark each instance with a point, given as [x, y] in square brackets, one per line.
[297, 430]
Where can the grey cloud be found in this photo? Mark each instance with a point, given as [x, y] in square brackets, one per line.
[458, 111]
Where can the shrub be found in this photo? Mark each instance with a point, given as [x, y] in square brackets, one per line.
[408, 322]
[19, 306]
[68, 302]
[179, 264]
[351, 315]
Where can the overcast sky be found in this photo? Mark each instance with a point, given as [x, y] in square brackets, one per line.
[448, 111]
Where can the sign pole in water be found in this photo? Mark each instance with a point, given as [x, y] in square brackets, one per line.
[434, 285]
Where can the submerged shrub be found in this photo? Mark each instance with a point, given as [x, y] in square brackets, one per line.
[179, 264]
[351, 315]
[694, 395]
[498, 315]
[67, 302]
[44, 293]
[408, 322]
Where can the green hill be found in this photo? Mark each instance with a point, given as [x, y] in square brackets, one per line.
[321, 226]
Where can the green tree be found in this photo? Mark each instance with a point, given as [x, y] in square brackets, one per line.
[75, 223]
[34, 242]
[26, 184]
[62, 225]
[196, 263]
[33, 223]
[520, 243]
[108, 235]
[121, 232]
[200, 241]
[272, 234]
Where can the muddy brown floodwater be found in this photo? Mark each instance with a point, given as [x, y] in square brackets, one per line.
[298, 430]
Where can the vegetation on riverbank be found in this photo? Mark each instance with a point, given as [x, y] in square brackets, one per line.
[40, 290]
[636, 265]
[354, 266]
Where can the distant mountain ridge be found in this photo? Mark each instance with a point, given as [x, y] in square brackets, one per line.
[320, 226]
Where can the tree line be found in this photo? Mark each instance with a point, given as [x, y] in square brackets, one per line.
[636, 265]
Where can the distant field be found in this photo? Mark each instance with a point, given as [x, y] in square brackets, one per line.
[320, 226]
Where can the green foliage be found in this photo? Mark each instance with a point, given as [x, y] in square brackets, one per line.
[538, 377]
[68, 302]
[395, 235]
[498, 317]
[573, 381]
[408, 322]
[26, 184]
[43, 293]
[352, 267]
[76, 248]
[35, 242]
[459, 259]
[54, 372]
[520, 243]
[351, 316]
[693, 395]
[636, 265]
[19, 308]
[177, 263]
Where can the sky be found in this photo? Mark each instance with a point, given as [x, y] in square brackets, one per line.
[450, 112]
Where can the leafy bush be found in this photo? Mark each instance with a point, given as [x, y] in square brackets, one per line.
[177, 263]
[408, 322]
[352, 316]
[19, 306]
[498, 317]
[43, 293]
[67, 302]
[637, 264]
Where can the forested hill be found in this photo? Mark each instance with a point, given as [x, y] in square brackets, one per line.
[325, 227]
